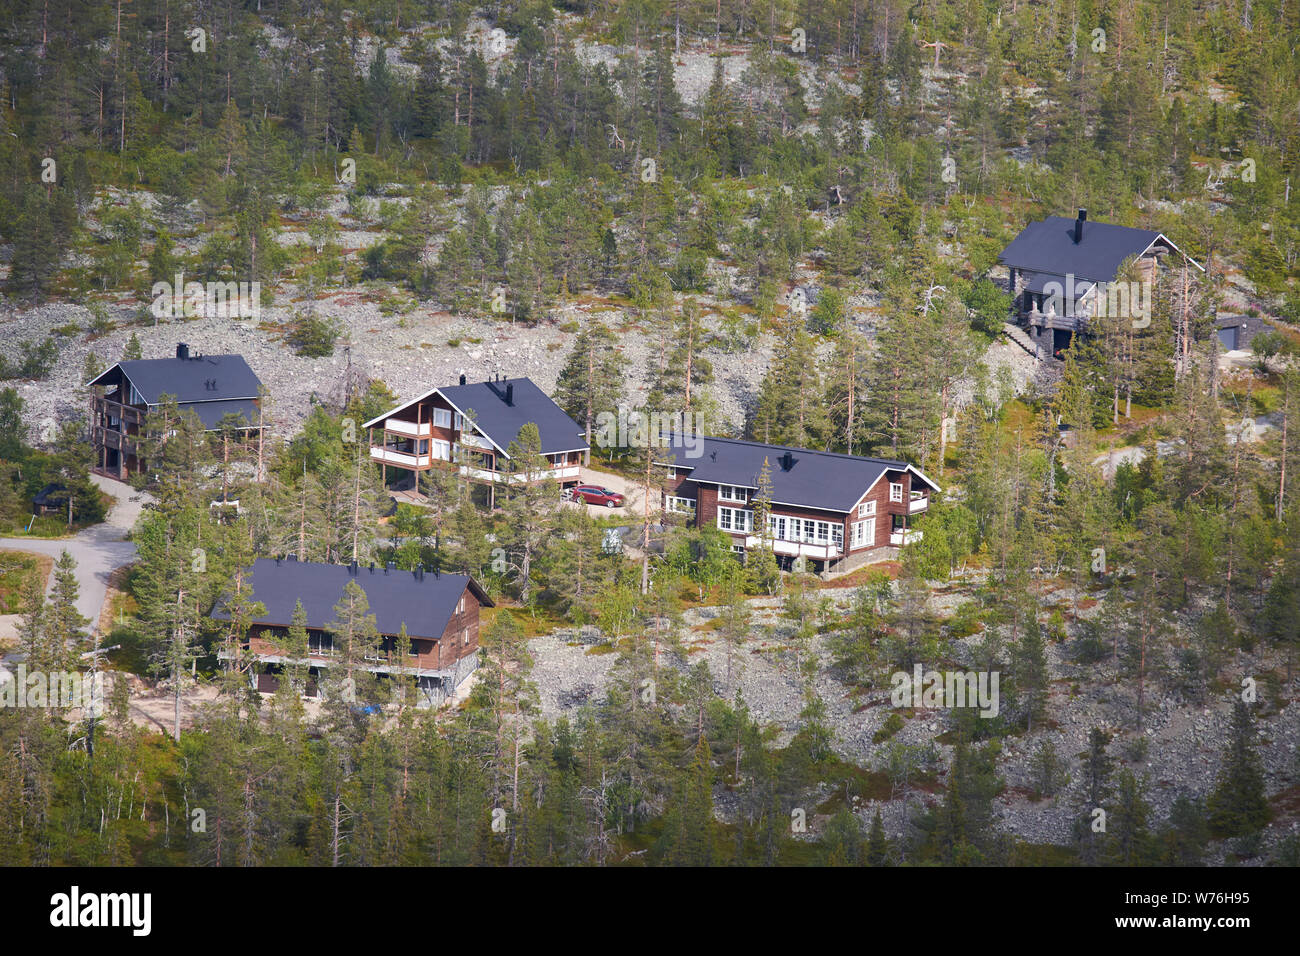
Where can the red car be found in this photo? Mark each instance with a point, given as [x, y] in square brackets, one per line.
[595, 495]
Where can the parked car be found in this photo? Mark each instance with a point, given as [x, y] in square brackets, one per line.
[595, 495]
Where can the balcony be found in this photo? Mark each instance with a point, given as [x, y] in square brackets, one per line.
[127, 414]
[824, 551]
[563, 473]
[412, 429]
[109, 438]
[1050, 320]
[904, 537]
[919, 502]
[400, 458]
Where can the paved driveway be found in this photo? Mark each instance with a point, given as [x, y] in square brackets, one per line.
[98, 551]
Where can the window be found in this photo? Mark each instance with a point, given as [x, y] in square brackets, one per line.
[681, 506]
[776, 527]
[441, 450]
[464, 636]
[442, 417]
[460, 605]
[732, 493]
[866, 509]
[735, 520]
[460, 421]
[864, 534]
[895, 492]
[319, 644]
[558, 461]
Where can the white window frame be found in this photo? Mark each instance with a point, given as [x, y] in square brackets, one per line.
[895, 492]
[441, 450]
[442, 418]
[732, 493]
[737, 520]
[867, 509]
[459, 419]
[679, 506]
[864, 534]
[776, 525]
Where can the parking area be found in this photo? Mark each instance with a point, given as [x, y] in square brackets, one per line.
[632, 492]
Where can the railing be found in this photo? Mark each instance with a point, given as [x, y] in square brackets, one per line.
[797, 549]
[112, 439]
[555, 474]
[1051, 320]
[904, 537]
[405, 459]
[126, 413]
[421, 430]
[918, 502]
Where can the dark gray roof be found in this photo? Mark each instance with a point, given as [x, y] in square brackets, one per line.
[395, 597]
[211, 413]
[816, 479]
[501, 422]
[1041, 281]
[188, 379]
[1049, 246]
[51, 493]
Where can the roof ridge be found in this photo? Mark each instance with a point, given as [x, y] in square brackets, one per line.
[810, 451]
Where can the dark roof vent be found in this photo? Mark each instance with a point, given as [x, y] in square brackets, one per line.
[182, 351]
[510, 395]
[787, 461]
[372, 567]
[388, 567]
[352, 569]
[462, 379]
[1078, 226]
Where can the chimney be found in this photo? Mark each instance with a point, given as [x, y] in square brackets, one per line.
[510, 395]
[293, 557]
[278, 560]
[462, 379]
[419, 572]
[1078, 226]
[388, 567]
[372, 567]
[787, 461]
[352, 569]
[182, 350]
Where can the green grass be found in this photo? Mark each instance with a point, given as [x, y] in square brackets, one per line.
[15, 568]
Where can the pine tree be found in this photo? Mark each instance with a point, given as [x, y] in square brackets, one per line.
[591, 381]
[1238, 805]
[530, 503]
[877, 843]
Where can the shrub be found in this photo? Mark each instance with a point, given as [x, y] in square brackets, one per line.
[892, 725]
[314, 336]
[37, 361]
